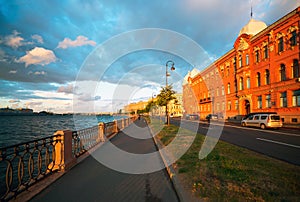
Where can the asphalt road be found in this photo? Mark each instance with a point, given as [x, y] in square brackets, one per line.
[282, 144]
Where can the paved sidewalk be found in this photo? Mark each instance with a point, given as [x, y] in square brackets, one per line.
[92, 181]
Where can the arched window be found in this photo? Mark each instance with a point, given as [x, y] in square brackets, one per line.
[258, 78]
[296, 70]
[257, 56]
[282, 72]
[241, 83]
[293, 39]
[248, 82]
[280, 44]
[267, 75]
[247, 59]
[240, 61]
[228, 88]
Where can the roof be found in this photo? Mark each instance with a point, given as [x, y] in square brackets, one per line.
[253, 27]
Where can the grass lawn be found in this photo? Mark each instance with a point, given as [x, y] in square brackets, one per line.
[232, 173]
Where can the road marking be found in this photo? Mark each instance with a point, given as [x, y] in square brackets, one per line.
[246, 128]
[276, 142]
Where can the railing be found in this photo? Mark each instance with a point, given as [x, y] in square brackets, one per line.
[24, 164]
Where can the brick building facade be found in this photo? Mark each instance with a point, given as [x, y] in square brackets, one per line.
[260, 74]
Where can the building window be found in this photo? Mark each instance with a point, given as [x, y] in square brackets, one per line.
[259, 102]
[268, 101]
[228, 88]
[247, 59]
[257, 56]
[266, 52]
[267, 74]
[236, 104]
[227, 71]
[234, 64]
[293, 39]
[296, 70]
[240, 61]
[283, 100]
[282, 72]
[248, 82]
[217, 91]
[218, 106]
[223, 105]
[258, 78]
[241, 83]
[296, 98]
[229, 105]
[280, 44]
[223, 90]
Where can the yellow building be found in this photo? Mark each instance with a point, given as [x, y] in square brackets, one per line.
[135, 107]
[175, 109]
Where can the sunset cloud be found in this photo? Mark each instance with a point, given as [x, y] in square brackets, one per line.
[38, 56]
[80, 41]
[37, 38]
[13, 40]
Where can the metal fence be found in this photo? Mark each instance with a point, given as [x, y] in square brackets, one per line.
[24, 164]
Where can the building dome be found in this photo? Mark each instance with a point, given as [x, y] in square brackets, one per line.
[253, 27]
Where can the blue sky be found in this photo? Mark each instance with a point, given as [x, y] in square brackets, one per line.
[45, 46]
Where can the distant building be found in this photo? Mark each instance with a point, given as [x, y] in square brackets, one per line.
[21, 111]
[135, 107]
[175, 108]
[260, 74]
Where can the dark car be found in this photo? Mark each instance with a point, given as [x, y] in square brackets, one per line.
[212, 117]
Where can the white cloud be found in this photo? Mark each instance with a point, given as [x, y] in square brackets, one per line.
[40, 73]
[80, 41]
[66, 89]
[38, 38]
[12, 71]
[38, 56]
[14, 101]
[13, 40]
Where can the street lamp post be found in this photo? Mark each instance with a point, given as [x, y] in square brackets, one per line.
[153, 95]
[167, 74]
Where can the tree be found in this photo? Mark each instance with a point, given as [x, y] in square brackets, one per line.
[150, 105]
[164, 97]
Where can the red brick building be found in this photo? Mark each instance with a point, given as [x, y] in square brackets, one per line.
[260, 74]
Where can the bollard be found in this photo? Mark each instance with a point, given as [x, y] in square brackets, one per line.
[115, 126]
[123, 124]
[63, 151]
[101, 132]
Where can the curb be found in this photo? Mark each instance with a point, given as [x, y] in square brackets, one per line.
[180, 191]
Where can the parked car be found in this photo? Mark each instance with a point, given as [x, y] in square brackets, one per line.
[212, 117]
[251, 114]
[263, 121]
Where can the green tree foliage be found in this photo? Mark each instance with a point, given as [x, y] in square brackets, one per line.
[165, 96]
[150, 105]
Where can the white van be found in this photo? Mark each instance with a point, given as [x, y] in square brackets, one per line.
[263, 121]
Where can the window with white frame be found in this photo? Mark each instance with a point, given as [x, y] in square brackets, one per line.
[259, 102]
[248, 82]
[228, 88]
[296, 98]
[268, 101]
[283, 99]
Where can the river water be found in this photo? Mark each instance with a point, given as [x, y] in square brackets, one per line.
[18, 129]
